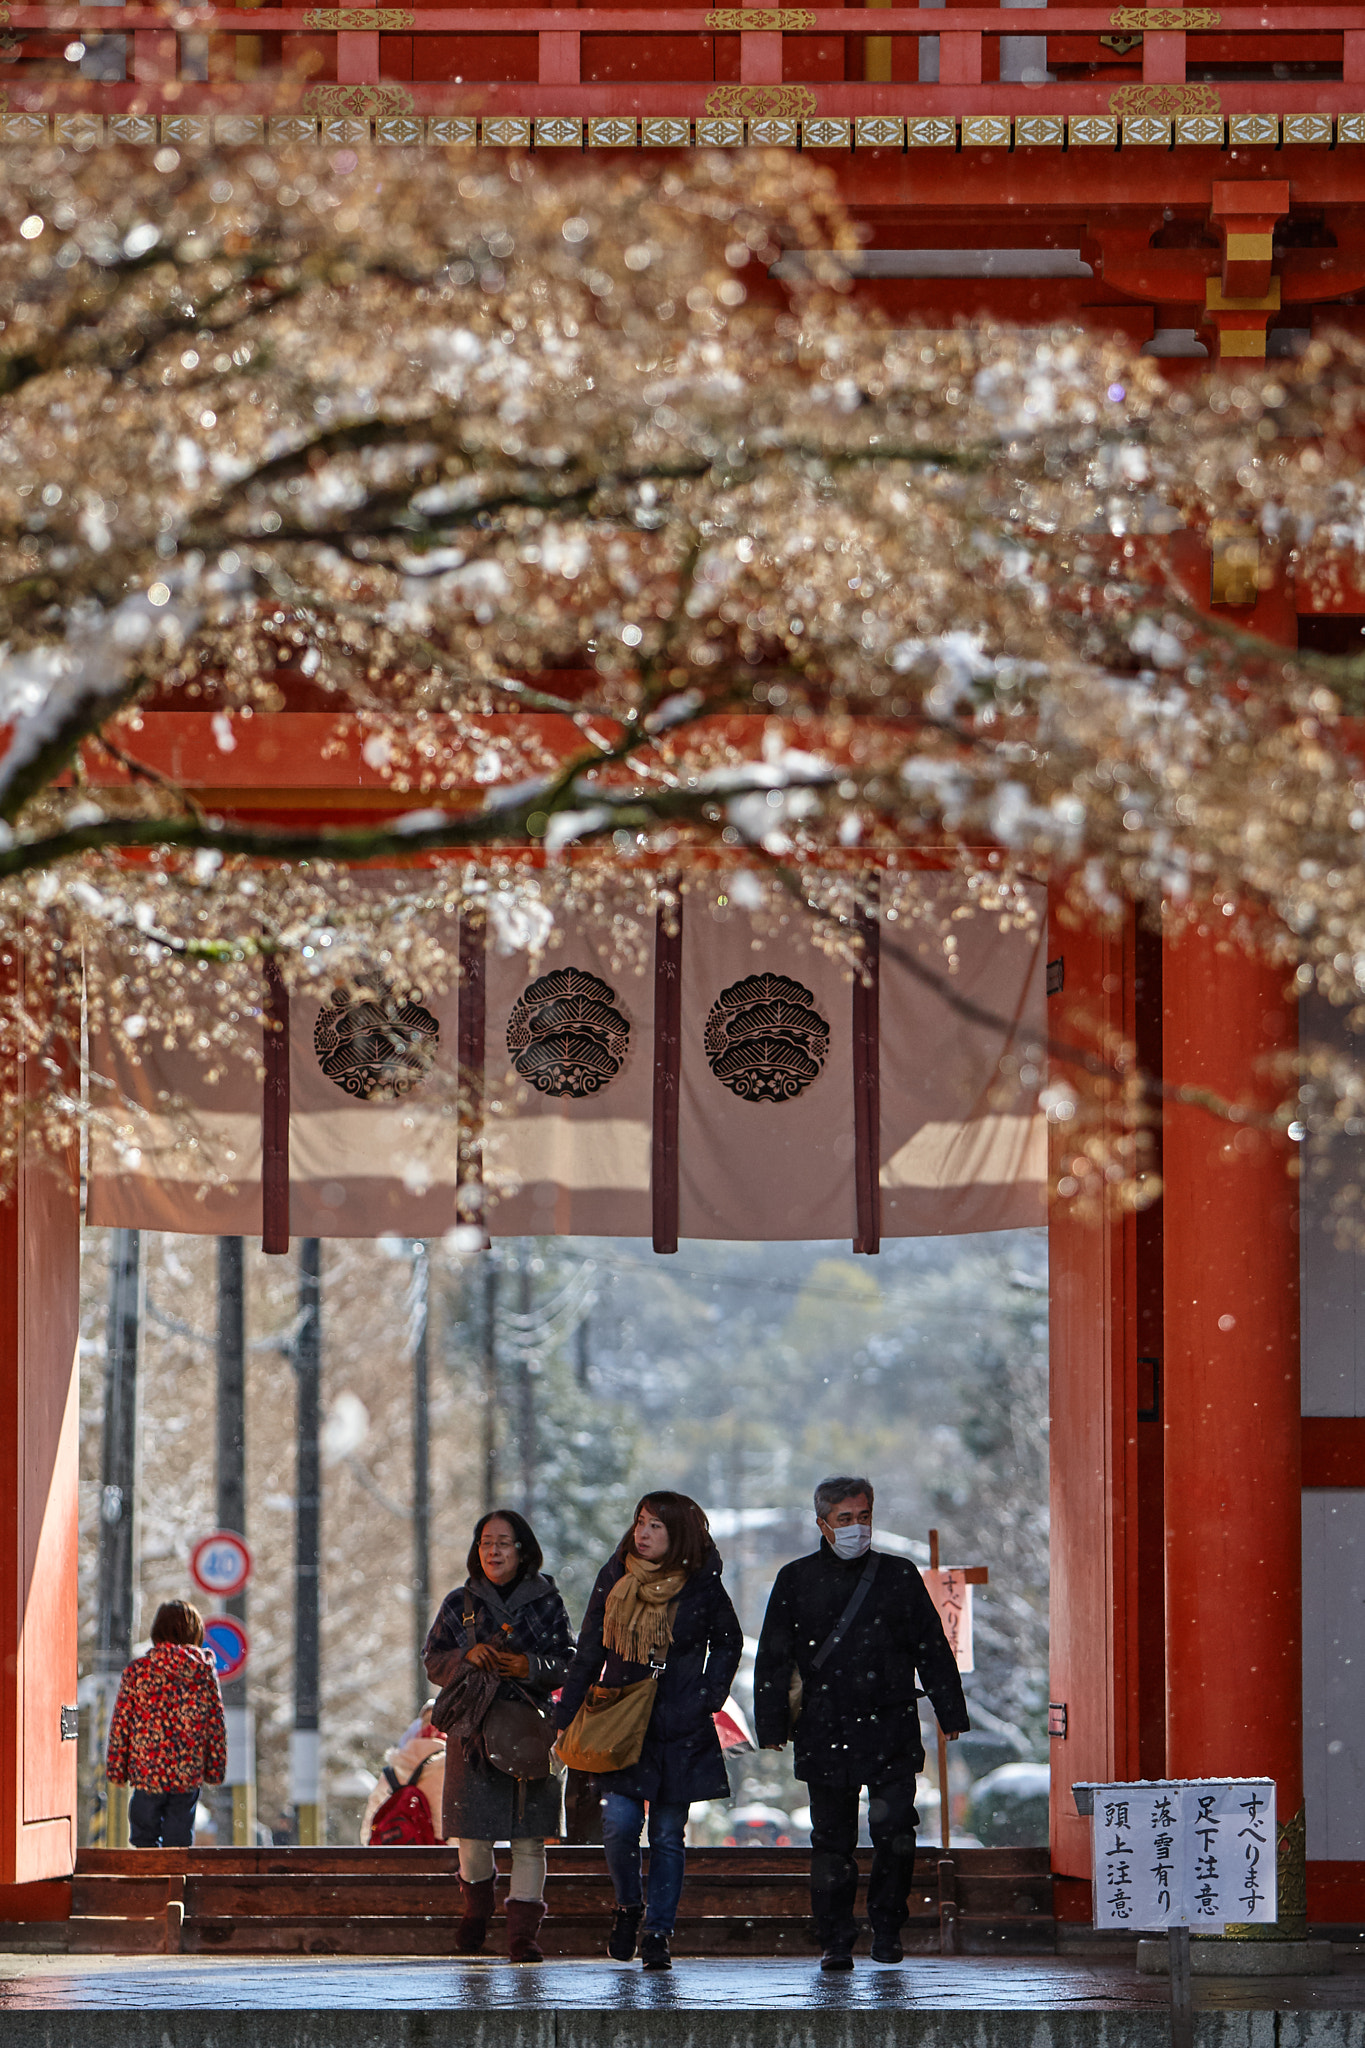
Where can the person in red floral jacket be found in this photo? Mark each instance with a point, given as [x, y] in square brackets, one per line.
[168, 1737]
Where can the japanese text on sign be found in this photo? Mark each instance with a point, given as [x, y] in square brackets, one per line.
[1187, 1853]
[951, 1593]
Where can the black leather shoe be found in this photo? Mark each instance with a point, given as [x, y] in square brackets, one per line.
[624, 1928]
[886, 1948]
[838, 1956]
[654, 1952]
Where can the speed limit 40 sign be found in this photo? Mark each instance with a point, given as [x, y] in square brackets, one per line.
[221, 1563]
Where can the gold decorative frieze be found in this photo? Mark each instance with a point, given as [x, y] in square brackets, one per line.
[78, 131]
[344, 130]
[665, 131]
[363, 102]
[559, 131]
[1147, 131]
[879, 131]
[1350, 127]
[986, 131]
[236, 129]
[826, 131]
[358, 17]
[135, 128]
[1166, 102]
[1205, 130]
[720, 132]
[462, 130]
[506, 131]
[195, 128]
[1315, 128]
[931, 131]
[289, 128]
[402, 130]
[775, 131]
[760, 18]
[30, 128]
[1164, 17]
[1261, 128]
[1040, 131]
[611, 131]
[755, 102]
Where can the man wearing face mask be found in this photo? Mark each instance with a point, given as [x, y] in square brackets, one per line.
[854, 1625]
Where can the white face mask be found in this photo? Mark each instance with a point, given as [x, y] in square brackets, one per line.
[854, 1541]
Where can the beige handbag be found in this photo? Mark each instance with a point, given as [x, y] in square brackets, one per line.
[608, 1731]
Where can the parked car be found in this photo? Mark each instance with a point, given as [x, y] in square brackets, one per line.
[1008, 1808]
[759, 1827]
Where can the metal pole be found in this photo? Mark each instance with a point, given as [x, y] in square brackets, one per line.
[118, 1500]
[304, 1757]
[583, 1349]
[240, 1789]
[490, 1380]
[421, 1458]
[526, 1430]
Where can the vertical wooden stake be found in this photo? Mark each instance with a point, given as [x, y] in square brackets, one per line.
[1182, 2000]
[949, 1936]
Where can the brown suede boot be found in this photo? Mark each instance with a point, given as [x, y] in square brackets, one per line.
[476, 1908]
[523, 1919]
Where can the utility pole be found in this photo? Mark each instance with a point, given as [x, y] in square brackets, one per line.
[118, 1502]
[527, 1421]
[239, 1800]
[304, 1758]
[490, 1379]
[421, 1458]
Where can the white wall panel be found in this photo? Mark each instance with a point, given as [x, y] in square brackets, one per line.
[1334, 1672]
[1332, 1316]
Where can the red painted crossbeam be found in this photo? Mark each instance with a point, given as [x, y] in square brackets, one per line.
[1295, 21]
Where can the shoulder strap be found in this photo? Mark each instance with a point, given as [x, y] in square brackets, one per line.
[391, 1778]
[846, 1619]
[468, 1611]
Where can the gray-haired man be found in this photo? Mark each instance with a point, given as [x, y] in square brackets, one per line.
[857, 1625]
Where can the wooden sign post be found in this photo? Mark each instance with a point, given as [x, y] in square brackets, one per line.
[950, 1589]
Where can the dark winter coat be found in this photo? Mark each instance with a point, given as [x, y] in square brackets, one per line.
[859, 1722]
[478, 1802]
[681, 1760]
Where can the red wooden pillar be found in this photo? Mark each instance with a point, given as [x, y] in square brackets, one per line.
[39, 1424]
[1101, 1272]
[1231, 1395]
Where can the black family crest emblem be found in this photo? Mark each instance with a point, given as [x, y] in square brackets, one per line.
[566, 1035]
[376, 1047]
[765, 1039]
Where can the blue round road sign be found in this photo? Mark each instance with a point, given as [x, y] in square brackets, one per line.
[226, 1640]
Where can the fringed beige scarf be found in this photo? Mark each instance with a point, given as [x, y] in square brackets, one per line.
[638, 1622]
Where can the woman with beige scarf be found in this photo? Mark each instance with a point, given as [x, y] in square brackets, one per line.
[658, 1603]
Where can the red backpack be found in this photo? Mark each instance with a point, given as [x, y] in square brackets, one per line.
[404, 1820]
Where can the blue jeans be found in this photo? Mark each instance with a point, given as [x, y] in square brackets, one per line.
[622, 1822]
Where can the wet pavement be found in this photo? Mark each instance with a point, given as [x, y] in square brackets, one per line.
[975, 1984]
